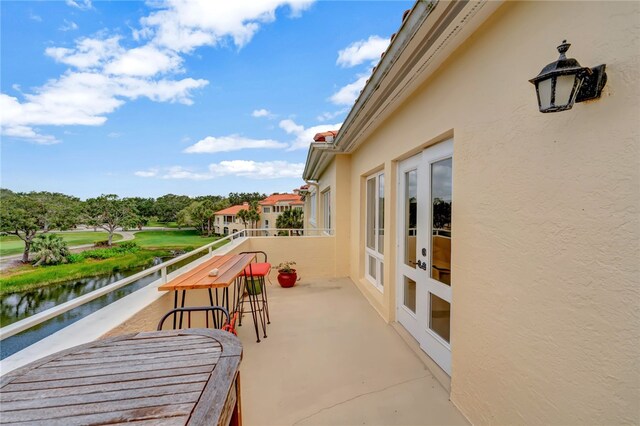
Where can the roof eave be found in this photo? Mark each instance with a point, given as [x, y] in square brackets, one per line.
[415, 53]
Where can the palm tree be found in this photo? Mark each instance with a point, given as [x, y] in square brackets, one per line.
[49, 249]
[291, 219]
[243, 215]
[254, 217]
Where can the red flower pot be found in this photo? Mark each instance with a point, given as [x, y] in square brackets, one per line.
[287, 279]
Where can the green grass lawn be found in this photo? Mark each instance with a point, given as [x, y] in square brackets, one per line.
[163, 224]
[11, 244]
[28, 277]
[152, 244]
[171, 239]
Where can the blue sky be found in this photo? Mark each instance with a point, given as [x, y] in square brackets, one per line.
[189, 97]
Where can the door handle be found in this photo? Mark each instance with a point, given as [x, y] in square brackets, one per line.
[424, 252]
[422, 265]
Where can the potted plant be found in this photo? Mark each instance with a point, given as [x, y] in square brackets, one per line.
[253, 286]
[287, 276]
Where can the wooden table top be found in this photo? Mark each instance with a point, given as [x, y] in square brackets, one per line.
[229, 266]
[172, 377]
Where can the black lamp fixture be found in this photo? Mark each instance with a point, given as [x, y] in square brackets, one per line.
[564, 82]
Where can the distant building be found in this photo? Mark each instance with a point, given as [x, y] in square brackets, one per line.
[275, 204]
[227, 222]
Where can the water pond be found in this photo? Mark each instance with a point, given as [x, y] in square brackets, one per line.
[17, 306]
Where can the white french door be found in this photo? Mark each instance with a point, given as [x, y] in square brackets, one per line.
[424, 249]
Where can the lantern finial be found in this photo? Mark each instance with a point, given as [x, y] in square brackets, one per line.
[563, 49]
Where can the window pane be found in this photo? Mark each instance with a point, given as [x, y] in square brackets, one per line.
[411, 218]
[441, 221]
[381, 279]
[410, 294]
[372, 267]
[440, 316]
[327, 209]
[371, 213]
[381, 214]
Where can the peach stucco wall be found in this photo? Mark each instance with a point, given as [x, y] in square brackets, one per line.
[546, 226]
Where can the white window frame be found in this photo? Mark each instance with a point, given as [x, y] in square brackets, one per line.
[312, 206]
[377, 252]
[266, 210]
[326, 209]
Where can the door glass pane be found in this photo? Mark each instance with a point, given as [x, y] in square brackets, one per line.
[371, 213]
[441, 181]
[381, 214]
[411, 216]
[372, 267]
[439, 316]
[410, 294]
[381, 279]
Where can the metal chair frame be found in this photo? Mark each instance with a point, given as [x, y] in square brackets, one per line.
[263, 283]
[258, 302]
[188, 310]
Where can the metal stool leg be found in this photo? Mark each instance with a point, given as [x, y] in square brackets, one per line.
[266, 300]
[254, 312]
[184, 296]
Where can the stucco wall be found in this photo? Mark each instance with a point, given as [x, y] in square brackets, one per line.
[336, 179]
[546, 230]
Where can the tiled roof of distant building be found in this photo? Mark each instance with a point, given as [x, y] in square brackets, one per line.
[322, 137]
[281, 198]
[235, 209]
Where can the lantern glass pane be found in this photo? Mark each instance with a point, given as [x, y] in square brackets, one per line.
[565, 89]
[544, 93]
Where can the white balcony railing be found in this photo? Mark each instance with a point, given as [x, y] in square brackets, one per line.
[43, 316]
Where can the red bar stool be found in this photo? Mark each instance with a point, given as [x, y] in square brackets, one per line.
[254, 284]
[261, 271]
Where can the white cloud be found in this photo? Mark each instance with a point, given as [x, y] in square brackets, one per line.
[257, 170]
[147, 173]
[362, 51]
[348, 94]
[290, 126]
[212, 144]
[84, 98]
[35, 17]
[184, 25]
[114, 135]
[68, 26]
[89, 53]
[25, 132]
[262, 113]
[331, 115]
[239, 168]
[104, 74]
[304, 136]
[80, 4]
[144, 61]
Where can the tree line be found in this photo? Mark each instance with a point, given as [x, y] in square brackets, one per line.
[27, 215]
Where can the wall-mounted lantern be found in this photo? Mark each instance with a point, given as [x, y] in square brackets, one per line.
[564, 82]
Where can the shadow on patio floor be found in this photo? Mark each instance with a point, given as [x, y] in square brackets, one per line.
[331, 359]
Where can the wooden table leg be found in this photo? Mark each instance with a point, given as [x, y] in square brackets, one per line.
[236, 417]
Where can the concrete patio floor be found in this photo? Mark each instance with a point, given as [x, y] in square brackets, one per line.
[330, 359]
